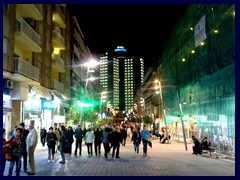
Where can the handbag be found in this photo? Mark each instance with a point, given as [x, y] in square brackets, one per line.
[150, 143]
[8, 156]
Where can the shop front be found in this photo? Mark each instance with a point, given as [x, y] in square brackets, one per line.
[7, 114]
[32, 112]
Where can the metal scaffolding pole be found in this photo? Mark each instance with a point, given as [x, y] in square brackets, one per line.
[180, 108]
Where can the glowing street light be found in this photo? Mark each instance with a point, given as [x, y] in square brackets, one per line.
[92, 63]
[161, 108]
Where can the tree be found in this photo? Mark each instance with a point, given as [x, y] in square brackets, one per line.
[74, 115]
[139, 120]
[147, 120]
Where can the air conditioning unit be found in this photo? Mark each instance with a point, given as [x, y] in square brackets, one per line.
[9, 84]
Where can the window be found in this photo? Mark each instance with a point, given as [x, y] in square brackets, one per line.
[6, 7]
[5, 45]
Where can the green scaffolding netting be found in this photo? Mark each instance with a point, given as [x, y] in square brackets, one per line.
[202, 77]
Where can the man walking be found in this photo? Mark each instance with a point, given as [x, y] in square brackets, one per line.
[31, 141]
[24, 137]
[43, 136]
[78, 135]
[145, 138]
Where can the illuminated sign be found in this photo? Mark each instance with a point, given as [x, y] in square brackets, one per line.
[32, 104]
[48, 104]
[82, 104]
[120, 48]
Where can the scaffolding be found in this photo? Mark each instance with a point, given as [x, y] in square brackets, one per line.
[198, 62]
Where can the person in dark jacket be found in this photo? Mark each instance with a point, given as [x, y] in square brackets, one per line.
[43, 134]
[98, 141]
[79, 134]
[105, 140]
[116, 138]
[124, 135]
[69, 139]
[51, 142]
[136, 138]
[62, 143]
[24, 137]
[196, 146]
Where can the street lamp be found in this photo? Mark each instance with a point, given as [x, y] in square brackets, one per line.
[90, 64]
[160, 105]
[180, 108]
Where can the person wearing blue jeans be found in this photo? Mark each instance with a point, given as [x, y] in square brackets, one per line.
[145, 138]
[136, 138]
[62, 143]
[17, 151]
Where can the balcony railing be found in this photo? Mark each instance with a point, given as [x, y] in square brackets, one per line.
[39, 7]
[23, 26]
[5, 61]
[23, 67]
[58, 62]
[58, 39]
[76, 51]
[60, 12]
[58, 85]
[34, 11]
[59, 17]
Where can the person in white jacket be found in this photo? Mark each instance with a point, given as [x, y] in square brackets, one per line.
[89, 141]
[31, 142]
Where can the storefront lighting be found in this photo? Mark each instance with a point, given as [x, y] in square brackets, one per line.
[56, 51]
[57, 101]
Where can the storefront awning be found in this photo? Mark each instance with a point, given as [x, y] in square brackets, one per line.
[39, 93]
[63, 101]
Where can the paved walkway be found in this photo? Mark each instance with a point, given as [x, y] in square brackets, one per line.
[162, 160]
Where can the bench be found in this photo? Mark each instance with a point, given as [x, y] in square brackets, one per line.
[210, 150]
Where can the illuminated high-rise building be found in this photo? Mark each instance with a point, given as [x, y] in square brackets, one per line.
[120, 75]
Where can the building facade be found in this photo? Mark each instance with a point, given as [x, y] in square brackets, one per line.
[36, 51]
[197, 75]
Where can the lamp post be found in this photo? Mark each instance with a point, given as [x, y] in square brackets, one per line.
[91, 63]
[161, 106]
[180, 108]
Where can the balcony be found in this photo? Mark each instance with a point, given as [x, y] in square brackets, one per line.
[58, 63]
[78, 71]
[58, 40]
[26, 38]
[58, 86]
[76, 51]
[34, 11]
[23, 71]
[5, 61]
[58, 17]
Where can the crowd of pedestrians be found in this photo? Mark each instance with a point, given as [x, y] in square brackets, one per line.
[22, 145]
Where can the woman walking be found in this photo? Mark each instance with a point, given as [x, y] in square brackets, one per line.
[89, 141]
[62, 143]
[69, 139]
[17, 151]
[136, 138]
[6, 147]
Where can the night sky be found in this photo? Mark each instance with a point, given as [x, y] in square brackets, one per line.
[141, 29]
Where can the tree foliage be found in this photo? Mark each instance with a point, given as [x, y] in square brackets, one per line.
[74, 115]
[147, 120]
